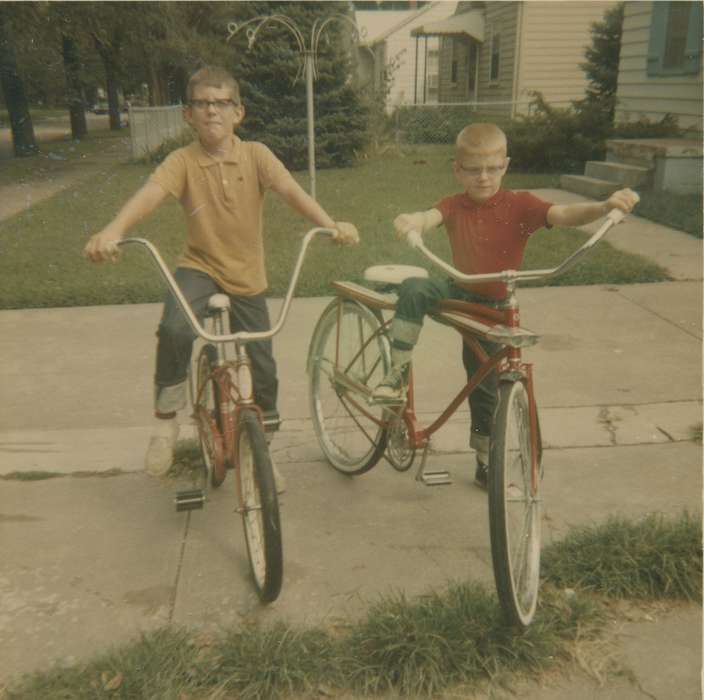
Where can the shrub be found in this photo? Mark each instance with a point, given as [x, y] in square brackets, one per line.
[431, 124]
[556, 139]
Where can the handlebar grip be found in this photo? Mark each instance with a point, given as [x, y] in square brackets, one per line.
[616, 215]
[414, 239]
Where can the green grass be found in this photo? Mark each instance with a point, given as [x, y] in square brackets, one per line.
[41, 265]
[680, 211]
[412, 647]
[57, 157]
[650, 558]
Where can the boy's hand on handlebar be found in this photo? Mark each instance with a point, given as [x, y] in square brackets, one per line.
[103, 246]
[403, 225]
[624, 200]
[347, 233]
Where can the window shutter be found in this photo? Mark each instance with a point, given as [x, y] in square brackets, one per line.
[692, 52]
[658, 34]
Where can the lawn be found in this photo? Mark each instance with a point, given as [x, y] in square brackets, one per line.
[41, 263]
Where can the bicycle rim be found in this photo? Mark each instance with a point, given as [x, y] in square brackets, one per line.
[205, 409]
[514, 511]
[259, 508]
[346, 361]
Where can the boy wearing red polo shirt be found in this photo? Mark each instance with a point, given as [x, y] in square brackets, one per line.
[488, 230]
[220, 182]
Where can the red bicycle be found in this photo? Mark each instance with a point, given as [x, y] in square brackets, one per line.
[350, 353]
[231, 427]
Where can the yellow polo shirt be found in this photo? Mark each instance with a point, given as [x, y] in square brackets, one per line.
[223, 202]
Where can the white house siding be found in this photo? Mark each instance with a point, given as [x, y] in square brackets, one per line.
[501, 18]
[554, 38]
[400, 48]
[642, 96]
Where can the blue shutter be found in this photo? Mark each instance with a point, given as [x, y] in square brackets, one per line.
[658, 34]
[692, 52]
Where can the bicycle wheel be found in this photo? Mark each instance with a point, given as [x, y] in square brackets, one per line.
[259, 507]
[346, 361]
[206, 411]
[514, 512]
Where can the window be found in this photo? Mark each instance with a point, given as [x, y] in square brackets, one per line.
[432, 70]
[471, 67]
[495, 50]
[675, 39]
[453, 72]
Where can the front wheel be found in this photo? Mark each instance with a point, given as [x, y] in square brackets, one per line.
[259, 507]
[348, 357]
[206, 409]
[514, 505]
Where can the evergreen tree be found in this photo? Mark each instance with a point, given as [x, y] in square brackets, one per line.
[276, 107]
[601, 66]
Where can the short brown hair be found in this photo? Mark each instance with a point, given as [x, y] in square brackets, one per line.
[213, 76]
[481, 138]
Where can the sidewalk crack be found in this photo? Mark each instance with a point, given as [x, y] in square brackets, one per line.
[179, 568]
[607, 421]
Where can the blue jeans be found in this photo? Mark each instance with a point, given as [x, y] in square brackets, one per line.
[175, 335]
[417, 297]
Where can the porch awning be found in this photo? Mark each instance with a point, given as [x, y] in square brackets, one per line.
[468, 23]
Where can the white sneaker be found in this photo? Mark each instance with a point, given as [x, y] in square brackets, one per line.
[160, 453]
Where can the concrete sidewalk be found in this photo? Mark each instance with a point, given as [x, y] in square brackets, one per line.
[90, 562]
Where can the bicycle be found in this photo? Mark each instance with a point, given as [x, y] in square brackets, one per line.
[231, 426]
[350, 353]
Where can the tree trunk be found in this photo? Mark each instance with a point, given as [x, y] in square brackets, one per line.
[107, 55]
[23, 141]
[76, 104]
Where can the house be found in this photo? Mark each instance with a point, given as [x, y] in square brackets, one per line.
[388, 49]
[660, 73]
[660, 64]
[492, 53]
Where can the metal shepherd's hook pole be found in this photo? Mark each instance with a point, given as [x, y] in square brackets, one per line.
[308, 58]
[310, 113]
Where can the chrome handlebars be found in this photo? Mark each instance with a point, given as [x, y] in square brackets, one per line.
[415, 240]
[241, 336]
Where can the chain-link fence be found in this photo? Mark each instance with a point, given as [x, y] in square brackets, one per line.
[151, 126]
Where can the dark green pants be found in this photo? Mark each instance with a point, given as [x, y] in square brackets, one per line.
[417, 297]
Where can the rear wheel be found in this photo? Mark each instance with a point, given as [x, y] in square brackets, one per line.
[514, 506]
[206, 410]
[348, 357]
[259, 507]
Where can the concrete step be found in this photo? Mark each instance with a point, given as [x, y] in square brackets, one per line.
[625, 175]
[592, 187]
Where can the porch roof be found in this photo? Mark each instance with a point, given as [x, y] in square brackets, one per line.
[468, 23]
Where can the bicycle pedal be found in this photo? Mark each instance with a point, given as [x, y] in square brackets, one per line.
[189, 500]
[439, 478]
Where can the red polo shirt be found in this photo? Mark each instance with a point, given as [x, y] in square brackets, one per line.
[491, 236]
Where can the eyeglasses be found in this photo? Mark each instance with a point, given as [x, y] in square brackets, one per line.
[219, 105]
[490, 170]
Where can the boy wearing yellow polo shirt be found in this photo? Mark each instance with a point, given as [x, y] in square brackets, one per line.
[220, 182]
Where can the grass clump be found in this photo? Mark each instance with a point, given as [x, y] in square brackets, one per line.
[273, 662]
[650, 558]
[440, 640]
[419, 647]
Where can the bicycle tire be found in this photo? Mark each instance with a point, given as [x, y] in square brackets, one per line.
[514, 513]
[259, 507]
[206, 411]
[344, 423]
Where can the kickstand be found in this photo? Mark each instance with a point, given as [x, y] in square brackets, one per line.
[438, 478]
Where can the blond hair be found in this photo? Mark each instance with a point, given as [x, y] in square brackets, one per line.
[216, 77]
[481, 138]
